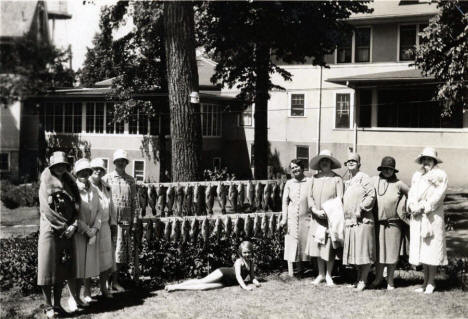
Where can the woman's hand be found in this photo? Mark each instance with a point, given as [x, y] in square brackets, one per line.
[68, 233]
[91, 232]
[358, 212]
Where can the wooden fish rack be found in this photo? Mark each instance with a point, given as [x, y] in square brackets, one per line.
[214, 183]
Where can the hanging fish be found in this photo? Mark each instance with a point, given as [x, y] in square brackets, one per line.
[149, 231]
[161, 204]
[258, 196]
[265, 225]
[257, 230]
[228, 226]
[209, 199]
[176, 230]
[272, 226]
[281, 186]
[248, 226]
[251, 195]
[158, 229]
[170, 195]
[233, 194]
[188, 200]
[239, 226]
[199, 199]
[278, 225]
[218, 228]
[241, 196]
[185, 230]
[168, 230]
[152, 198]
[142, 198]
[194, 230]
[222, 197]
[179, 200]
[266, 197]
[205, 229]
[275, 198]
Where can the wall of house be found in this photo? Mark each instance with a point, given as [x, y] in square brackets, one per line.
[10, 136]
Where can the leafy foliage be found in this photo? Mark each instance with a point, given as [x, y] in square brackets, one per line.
[14, 196]
[31, 67]
[443, 53]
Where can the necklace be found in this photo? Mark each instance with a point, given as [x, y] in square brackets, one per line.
[385, 188]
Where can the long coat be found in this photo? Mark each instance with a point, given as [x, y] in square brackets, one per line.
[86, 252]
[427, 230]
[296, 211]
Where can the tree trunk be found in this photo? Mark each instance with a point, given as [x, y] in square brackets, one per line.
[262, 57]
[182, 77]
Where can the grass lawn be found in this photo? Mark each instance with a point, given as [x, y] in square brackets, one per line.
[277, 298]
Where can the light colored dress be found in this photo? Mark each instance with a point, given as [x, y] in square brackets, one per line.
[359, 243]
[87, 253]
[323, 188]
[389, 225]
[108, 219]
[123, 190]
[427, 230]
[296, 210]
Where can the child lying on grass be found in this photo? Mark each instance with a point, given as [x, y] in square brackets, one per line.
[225, 276]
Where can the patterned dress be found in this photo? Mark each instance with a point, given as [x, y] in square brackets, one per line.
[359, 243]
[124, 199]
[323, 188]
[389, 225]
[296, 210]
[427, 230]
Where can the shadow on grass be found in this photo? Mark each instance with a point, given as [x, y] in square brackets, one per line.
[130, 298]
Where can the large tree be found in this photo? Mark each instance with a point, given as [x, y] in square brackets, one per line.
[443, 53]
[244, 37]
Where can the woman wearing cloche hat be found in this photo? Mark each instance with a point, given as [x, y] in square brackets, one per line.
[390, 191]
[326, 185]
[427, 227]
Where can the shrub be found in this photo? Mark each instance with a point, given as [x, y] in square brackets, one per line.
[18, 263]
[14, 196]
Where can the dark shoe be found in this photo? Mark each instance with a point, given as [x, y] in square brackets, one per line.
[60, 311]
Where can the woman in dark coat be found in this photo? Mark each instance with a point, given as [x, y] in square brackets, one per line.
[58, 199]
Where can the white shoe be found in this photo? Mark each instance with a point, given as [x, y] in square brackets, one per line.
[420, 289]
[72, 304]
[87, 299]
[429, 289]
[318, 280]
[329, 281]
[389, 287]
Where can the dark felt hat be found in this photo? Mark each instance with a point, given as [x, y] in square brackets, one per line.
[388, 162]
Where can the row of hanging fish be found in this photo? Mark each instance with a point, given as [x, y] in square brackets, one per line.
[187, 229]
[199, 200]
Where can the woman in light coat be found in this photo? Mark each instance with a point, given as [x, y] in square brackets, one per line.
[427, 226]
[296, 216]
[108, 231]
[86, 242]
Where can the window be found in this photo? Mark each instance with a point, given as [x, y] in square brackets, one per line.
[110, 118]
[138, 123]
[409, 40]
[297, 104]
[58, 118]
[99, 122]
[77, 111]
[362, 45]
[365, 108]
[344, 50]
[216, 162]
[302, 154]
[106, 163]
[139, 170]
[4, 161]
[342, 112]
[245, 117]
[211, 120]
[89, 117]
[62, 117]
[68, 118]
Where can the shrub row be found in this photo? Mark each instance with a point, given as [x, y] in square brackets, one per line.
[14, 196]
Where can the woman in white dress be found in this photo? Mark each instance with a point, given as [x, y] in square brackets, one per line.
[427, 226]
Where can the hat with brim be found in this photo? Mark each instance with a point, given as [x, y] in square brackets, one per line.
[428, 152]
[120, 154]
[58, 158]
[353, 157]
[81, 165]
[388, 162]
[98, 163]
[315, 161]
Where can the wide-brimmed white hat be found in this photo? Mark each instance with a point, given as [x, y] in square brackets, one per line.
[81, 165]
[58, 158]
[428, 152]
[98, 162]
[315, 161]
[119, 154]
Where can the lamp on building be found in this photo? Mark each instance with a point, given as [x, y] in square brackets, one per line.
[194, 98]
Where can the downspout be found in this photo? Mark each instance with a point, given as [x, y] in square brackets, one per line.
[319, 117]
[355, 133]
